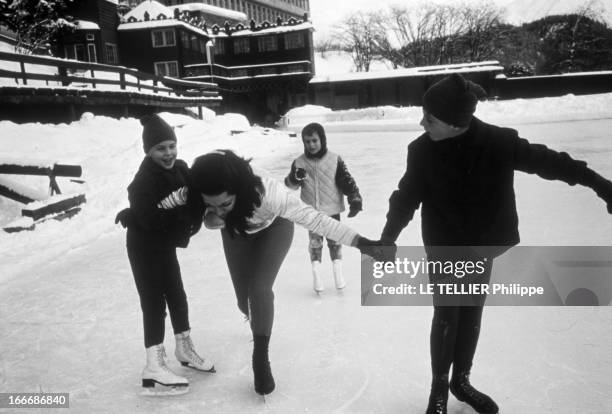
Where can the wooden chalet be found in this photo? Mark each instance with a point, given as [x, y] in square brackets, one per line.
[262, 70]
[95, 38]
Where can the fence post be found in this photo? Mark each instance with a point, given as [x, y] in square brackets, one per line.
[63, 72]
[122, 80]
[93, 76]
[23, 73]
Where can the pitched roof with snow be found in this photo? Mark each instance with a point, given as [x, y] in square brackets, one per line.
[159, 16]
[151, 7]
[265, 28]
[208, 9]
[86, 25]
[162, 16]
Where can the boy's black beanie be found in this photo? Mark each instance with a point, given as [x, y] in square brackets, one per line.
[155, 130]
[453, 100]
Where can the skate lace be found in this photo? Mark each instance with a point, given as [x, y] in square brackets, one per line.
[161, 359]
[472, 393]
[190, 352]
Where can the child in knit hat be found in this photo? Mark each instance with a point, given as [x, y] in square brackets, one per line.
[323, 180]
[158, 221]
[460, 172]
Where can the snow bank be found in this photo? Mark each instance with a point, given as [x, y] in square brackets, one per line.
[519, 111]
[109, 151]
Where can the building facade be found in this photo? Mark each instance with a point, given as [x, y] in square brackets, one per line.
[262, 69]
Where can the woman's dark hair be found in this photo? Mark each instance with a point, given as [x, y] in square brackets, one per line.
[222, 171]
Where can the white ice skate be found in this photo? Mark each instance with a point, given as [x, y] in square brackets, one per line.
[157, 378]
[317, 283]
[188, 357]
[338, 278]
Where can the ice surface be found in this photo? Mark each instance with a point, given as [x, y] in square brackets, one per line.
[70, 320]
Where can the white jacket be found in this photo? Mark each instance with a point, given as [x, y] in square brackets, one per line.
[278, 200]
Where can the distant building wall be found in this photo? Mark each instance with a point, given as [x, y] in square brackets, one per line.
[380, 91]
[555, 85]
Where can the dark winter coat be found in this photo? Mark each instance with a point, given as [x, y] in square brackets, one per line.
[150, 225]
[465, 185]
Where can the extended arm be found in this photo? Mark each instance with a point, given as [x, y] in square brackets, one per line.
[284, 203]
[552, 165]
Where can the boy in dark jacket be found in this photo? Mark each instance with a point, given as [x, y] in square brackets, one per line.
[460, 172]
[323, 179]
[158, 221]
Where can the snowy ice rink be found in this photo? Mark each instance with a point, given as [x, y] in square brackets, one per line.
[70, 319]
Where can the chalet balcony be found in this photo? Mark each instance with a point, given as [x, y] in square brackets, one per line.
[202, 72]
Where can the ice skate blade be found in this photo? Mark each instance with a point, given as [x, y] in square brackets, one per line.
[152, 388]
[186, 364]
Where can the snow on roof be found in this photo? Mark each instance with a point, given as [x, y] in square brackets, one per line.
[488, 66]
[161, 23]
[86, 25]
[149, 6]
[246, 31]
[207, 8]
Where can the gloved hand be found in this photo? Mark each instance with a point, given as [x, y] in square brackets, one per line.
[354, 208]
[377, 250]
[604, 191]
[175, 199]
[300, 174]
[124, 217]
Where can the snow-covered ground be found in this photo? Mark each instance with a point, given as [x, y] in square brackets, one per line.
[70, 320]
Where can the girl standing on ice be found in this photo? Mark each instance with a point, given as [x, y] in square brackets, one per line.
[158, 221]
[256, 215]
[323, 180]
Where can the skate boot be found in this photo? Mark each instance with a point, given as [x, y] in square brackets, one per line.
[157, 378]
[264, 381]
[338, 278]
[317, 283]
[462, 390]
[438, 397]
[188, 357]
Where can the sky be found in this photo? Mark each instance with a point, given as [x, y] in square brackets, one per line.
[325, 13]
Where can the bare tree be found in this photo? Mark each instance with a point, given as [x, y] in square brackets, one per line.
[433, 34]
[358, 34]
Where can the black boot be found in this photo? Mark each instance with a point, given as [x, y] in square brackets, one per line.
[438, 396]
[462, 389]
[264, 381]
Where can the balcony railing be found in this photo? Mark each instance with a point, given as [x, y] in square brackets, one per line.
[215, 71]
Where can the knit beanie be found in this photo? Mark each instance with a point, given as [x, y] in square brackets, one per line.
[311, 129]
[155, 130]
[453, 100]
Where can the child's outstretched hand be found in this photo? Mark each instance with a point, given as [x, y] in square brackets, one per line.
[300, 175]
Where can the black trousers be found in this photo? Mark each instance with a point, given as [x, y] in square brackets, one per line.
[158, 281]
[455, 330]
[254, 261]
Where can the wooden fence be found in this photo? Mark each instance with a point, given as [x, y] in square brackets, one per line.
[28, 81]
